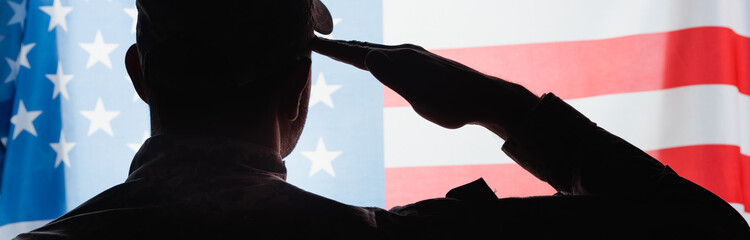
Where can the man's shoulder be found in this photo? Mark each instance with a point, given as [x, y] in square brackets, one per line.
[168, 208]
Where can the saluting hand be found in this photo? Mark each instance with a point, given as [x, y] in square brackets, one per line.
[440, 90]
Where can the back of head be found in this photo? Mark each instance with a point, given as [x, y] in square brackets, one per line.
[218, 53]
[257, 36]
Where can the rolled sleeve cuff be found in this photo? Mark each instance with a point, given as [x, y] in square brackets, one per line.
[541, 143]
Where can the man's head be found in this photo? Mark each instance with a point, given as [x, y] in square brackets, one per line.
[226, 63]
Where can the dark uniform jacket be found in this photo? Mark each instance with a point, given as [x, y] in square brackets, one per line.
[191, 187]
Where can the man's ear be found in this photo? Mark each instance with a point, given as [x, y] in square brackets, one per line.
[295, 89]
[133, 65]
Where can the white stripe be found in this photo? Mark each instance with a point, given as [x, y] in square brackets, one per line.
[11, 230]
[741, 209]
[685, 116]
[470, 23]
[411, 141]
[652, 120]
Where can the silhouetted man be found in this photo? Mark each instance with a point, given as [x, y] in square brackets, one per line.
[223, 120]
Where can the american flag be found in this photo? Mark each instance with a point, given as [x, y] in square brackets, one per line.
[672, 77]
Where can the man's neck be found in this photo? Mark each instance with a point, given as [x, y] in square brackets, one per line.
[266, 135]
[167, 155]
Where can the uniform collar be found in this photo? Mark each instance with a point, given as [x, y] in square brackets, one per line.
[183, 154]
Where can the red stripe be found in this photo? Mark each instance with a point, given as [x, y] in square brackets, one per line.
[411, 184]
[722, 169]
[718, 168]
[704, 55]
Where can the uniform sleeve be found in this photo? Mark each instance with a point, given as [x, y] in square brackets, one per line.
[562, 147]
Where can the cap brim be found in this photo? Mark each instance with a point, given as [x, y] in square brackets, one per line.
[322, 18]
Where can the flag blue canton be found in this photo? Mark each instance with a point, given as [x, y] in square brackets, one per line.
[70, 121]
[69, 118]
[32, 188]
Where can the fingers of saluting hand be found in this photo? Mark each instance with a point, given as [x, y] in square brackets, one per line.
[441, 90]
[352, 52]
[372, 57]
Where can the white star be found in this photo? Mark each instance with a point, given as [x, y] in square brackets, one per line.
[321, 92]
[321, 158]
[23, 59]
[330, 36]
[60, 80]
[133, 13]
[100, 118]
[62, 148]
[24, 120]
[137, 146]
[19, 12]
[4, 140]
[99, 51]
[14, 69]
[57, 15]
